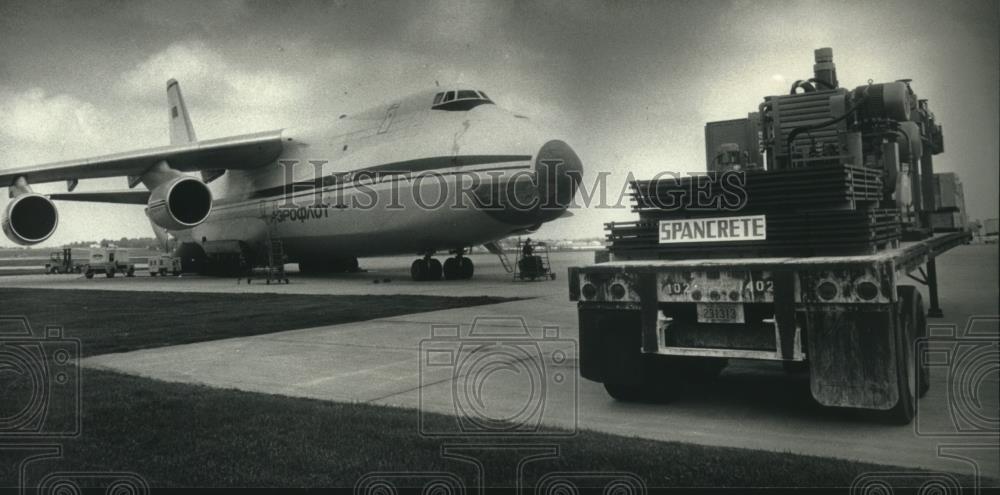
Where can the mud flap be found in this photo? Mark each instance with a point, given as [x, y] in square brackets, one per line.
[852, 357]
[610, 345]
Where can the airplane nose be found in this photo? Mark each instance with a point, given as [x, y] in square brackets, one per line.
[558, 171]
[544, 194]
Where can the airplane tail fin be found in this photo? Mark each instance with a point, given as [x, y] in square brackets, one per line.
[181, 130]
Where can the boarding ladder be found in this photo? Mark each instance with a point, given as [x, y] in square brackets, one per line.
[496, 249]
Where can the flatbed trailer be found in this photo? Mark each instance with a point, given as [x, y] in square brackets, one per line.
[852, 321]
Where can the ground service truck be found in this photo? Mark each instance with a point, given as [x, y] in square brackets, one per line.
[799, 245]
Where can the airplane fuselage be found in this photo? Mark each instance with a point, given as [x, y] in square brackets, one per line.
[410, 177]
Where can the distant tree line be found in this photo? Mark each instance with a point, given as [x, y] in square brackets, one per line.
[124, 242]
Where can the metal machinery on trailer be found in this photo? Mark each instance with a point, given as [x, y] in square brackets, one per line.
[830, 298]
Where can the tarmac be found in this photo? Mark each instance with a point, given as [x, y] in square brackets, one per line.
[422, 361]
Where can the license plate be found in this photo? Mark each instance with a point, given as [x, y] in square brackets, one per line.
[720, 313]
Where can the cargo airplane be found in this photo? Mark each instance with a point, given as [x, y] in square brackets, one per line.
[439, 171]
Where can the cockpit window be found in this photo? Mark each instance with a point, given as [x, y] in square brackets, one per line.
[460, 100]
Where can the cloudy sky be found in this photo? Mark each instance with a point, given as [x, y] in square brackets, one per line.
[628, 84]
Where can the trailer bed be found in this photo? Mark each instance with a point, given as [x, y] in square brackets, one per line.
[907, 257]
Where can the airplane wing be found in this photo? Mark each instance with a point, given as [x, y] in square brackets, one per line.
[131, 197]
[247, 151]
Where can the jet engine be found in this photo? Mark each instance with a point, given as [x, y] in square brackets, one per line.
[180, 203]
[29, 219]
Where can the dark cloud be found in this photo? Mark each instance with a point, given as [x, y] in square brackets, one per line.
[630, 84]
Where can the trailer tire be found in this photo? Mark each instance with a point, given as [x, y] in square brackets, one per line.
[89, 274]
[625, 393]
[700, 369]
[659, 383]
[905, 334]
[795, 367]
[920, 332]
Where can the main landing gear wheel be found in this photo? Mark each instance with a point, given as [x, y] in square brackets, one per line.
[467, 268]
[451, 268]
[425, 269]
[418, 270]
[458, 268]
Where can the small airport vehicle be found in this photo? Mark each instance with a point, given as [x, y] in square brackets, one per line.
[163, 265]
[109, 261]
[808, 268]
[63, 262]
[534, 263]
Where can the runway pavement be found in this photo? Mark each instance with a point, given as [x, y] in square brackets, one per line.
[418, 361]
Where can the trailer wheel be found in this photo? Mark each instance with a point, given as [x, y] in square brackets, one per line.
[920, 332]
[699, 369]
[924, 383]
[625, 393]
[110, 273]
[89, 274]
[906, 367]
[660, 382]
[795, 367]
